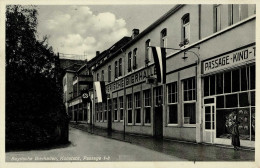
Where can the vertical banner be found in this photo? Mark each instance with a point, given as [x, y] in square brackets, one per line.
[159, 55]
[100, 91]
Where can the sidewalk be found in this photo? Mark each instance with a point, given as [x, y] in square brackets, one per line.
[185, 150]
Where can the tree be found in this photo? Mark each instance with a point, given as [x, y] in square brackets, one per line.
[34, 104]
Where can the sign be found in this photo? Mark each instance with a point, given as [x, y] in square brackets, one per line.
[229, 60]
[85, 96]
[130, 79]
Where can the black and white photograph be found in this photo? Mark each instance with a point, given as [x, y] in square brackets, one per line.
[117, 84]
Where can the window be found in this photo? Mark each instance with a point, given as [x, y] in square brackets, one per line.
[137, 108]
[134, 59]
[189, 97]
[115, 109]
[116, 69]
[217, 17]
[147, 106]
[186, 28]
[172, 97]
[164, 38]
[238, 12]
[148, 55]
[120, 67]
[129, 61]
[97, 76]
[109, 73]
[189, 89]
[102, 75]
[121, 106]
[129, 109]
[158, 95]
[100, 112]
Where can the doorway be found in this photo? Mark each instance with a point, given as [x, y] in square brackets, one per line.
[158, 122]
[209, 123]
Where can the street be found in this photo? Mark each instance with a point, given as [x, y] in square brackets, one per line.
[89, 147]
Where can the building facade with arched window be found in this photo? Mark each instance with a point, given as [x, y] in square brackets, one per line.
[210, 77]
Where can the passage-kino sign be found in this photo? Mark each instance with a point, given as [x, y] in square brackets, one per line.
[229, 60]
[131, 79]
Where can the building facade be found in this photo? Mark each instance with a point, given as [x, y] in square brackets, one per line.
[210, 76]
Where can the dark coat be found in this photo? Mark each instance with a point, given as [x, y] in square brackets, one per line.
[235, 135]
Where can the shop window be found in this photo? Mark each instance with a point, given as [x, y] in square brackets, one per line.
[252, 77]
[105, 111]
[120, 67]
[172, 95]
[137, 108]
[147, 106]
[243, 99]
[253, 124]
[121, 106]
[220, 102]
[212, 85]
[253, 98]
[189, 89]
[129, 109]
[231, 100]
[235, 81]
[219, 81]
[96, 110]
[101, 112]
[227, 82]
[115, 109]
[189, 101]
[206, 86]
[158, 95]
[189, 113]
[244, 78]
[129, 61]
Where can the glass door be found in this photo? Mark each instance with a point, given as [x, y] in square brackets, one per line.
[209, 123]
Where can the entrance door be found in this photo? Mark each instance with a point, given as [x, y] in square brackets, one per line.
[158, 122]
[209, 123]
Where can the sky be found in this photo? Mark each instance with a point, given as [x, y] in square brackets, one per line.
[83, 30]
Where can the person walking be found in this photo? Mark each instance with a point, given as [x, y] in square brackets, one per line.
[235, 135]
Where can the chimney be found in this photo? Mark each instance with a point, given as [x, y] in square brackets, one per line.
[135, 32]
[97, 53]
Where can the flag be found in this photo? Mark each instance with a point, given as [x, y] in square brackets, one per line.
[100, 91]
[159, 55]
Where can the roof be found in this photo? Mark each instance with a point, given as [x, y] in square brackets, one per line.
[73, 68]
[131, 41]
[110, 51]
